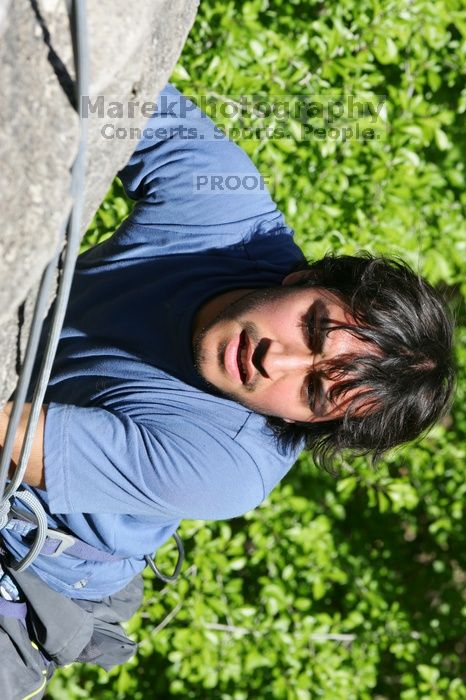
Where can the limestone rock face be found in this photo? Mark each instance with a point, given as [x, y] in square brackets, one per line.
[133, 47]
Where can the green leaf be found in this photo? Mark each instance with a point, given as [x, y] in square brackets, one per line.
[428, 673]
[385, 49]
[318, 589]
[403, 495]
[442, 140]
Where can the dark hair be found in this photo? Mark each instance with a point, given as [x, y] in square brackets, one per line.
[407, 381]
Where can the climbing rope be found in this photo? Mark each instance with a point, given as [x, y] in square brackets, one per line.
[71, 234]
[65, 264]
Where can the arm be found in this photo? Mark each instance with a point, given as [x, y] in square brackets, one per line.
[179, 174]
[149, 460]
[170, 172]
[34, 475]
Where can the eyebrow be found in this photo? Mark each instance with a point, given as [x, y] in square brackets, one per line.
[316, 337]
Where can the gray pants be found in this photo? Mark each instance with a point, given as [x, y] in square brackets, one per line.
[50, 630]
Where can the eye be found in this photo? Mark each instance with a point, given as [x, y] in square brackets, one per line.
[311, 390]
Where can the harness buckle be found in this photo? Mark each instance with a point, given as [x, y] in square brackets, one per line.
[65, 541]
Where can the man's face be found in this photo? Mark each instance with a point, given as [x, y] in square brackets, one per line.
[266, 350]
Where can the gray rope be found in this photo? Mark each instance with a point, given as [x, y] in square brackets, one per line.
[77, 14]
[78, 24]
[40, 309]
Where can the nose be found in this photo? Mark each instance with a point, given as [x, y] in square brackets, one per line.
[280, 360]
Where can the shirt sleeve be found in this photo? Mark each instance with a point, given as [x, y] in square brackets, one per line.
[185, 172]
[98, 461]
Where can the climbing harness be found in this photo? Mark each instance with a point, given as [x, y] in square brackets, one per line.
[46, 541]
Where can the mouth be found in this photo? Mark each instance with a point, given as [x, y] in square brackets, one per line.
[236, 358]
[242, 357]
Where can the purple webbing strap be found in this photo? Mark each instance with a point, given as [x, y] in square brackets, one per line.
[10, 609]
[79, 549]
[61, 542]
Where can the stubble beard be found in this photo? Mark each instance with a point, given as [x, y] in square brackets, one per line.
[251, 302]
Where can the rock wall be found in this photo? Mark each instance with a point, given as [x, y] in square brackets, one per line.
[133, 48]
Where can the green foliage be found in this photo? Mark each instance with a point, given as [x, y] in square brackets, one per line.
[350, 588]
[113, 210]
[399, 193]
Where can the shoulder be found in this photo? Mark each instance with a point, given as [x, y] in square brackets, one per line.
[216, 469]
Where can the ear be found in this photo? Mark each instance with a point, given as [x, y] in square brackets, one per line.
[298, 277]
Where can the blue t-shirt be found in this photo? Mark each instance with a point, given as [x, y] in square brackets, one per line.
[134, 440]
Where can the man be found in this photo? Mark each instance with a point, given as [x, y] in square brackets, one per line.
[200, 353]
